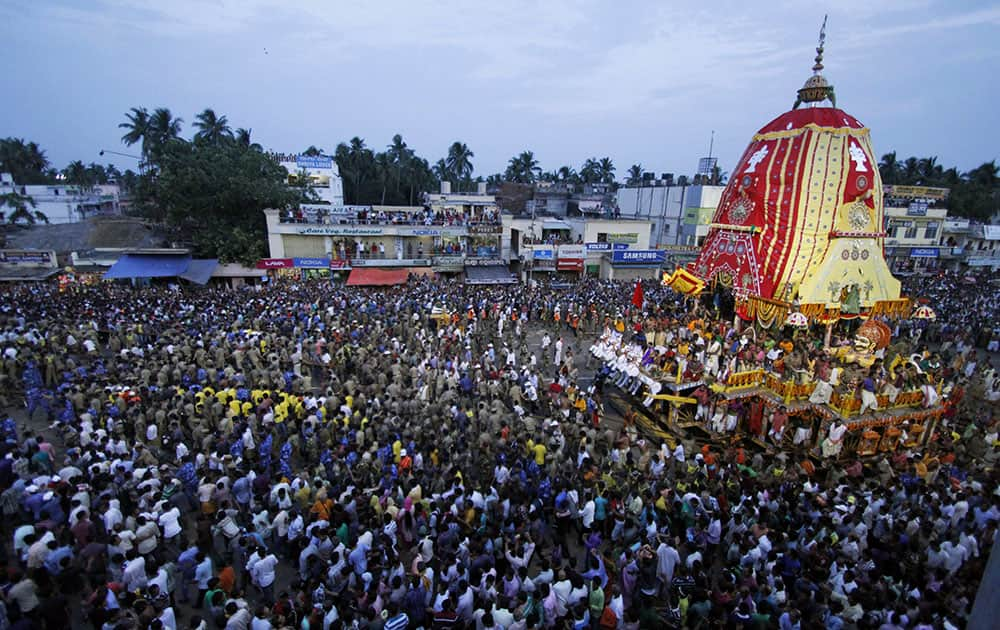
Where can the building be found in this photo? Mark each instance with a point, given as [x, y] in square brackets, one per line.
[65, 203]
[914, 220]
[450, 233]
[571, 247]
[968, 246]
[323, 176]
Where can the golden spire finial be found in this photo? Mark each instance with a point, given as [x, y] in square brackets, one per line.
[816, 89]
[819, 49]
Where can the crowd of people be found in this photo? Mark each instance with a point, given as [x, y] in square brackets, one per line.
[437, 455]
[368, 215]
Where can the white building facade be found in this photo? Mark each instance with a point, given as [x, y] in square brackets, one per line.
[65, 203]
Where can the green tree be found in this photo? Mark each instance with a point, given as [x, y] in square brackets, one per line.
[590, 172]
[356, 163]
[212, 128]
[523, 168]
[459, 162]
[313, 151]
[162, 130]
[137, 129]
[19, 208]
[606, 170]
[213, 196]
[242, 138]
[889, 168]
[78, 175]
[635, 174]
[25, 161]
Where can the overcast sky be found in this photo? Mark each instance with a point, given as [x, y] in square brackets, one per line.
[642, 82]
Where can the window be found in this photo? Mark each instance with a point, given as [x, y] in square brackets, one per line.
[893, 229]
[911, 232]
[666, 229]
[932, 228]
[602, 237]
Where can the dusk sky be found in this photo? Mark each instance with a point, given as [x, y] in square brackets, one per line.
[642, 82]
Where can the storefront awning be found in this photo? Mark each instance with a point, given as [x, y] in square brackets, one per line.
[363, 277]
[199, 271]
[489, 274]
[26, 274]
[148, 266]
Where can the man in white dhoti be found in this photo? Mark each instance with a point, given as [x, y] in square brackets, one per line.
[834, 441]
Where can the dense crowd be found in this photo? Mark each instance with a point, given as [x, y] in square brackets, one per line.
[436, 456]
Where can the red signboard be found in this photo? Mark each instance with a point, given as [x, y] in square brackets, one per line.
[569, 264]
[275, 263]
[339, 264]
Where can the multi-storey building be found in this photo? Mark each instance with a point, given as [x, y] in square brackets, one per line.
[65, 203]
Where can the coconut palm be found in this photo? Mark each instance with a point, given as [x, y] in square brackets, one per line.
[20, 208]
[635, 174]
[522, 168]
[889, 168]
[590, 171]
[242, 137]
[459, 161]
[212, 128]
[313, 151]
[606, 170]
[162, 129]
[441, 171]
[77, 174]
[137, 129]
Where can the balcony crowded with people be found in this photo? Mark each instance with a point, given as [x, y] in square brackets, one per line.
[367, 215]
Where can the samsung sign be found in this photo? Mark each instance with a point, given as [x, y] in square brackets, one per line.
[638, 256]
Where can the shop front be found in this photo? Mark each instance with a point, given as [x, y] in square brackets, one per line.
[483, 241]
[295, 268]
[635, 264]
[570, 260]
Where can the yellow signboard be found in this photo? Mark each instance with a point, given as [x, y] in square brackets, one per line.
[630, 237]
[916, 192]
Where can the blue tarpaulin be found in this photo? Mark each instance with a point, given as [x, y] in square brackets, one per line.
[200, 270]
[148, 266]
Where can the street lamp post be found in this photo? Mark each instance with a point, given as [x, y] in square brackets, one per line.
[128, 155]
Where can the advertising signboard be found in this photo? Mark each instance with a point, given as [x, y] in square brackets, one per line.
[638, 257]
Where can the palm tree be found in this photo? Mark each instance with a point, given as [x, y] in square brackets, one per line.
[635, 174]
[163, 128]
[606, 168]
[985, 175]
[313, 151]
[441, 171]
[212, 129]
[399, 155]
[911, 171]
[522, 168]
[242, 137]
[25, 161]
[889, 168]
[459, 161]
[590, 171]
[78, 175]
[21, 209]
[568, 175]
[930, 171]
[137, 129]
